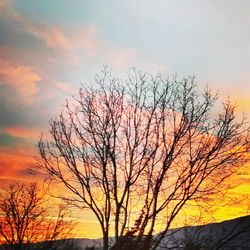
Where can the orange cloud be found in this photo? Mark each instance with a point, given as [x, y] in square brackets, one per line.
[4, 3]
[22, 132]
[13, 163]
[24, 79]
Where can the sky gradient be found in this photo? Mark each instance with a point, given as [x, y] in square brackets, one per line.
[47, 48]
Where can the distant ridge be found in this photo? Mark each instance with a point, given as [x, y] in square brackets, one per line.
[229, 235]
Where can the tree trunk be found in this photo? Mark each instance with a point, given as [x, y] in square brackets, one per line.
[105, 241]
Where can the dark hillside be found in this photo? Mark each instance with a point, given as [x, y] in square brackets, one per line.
[227, 235]
[231, 235]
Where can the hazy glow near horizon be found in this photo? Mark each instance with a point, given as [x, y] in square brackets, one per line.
[47, 48]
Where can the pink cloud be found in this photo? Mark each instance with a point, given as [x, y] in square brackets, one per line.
[123, 57]
[63, 86]
[53, 37]
[85, 38]
[127, 57]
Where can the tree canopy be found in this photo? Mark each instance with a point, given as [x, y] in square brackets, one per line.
[25, 218]
[137, 151]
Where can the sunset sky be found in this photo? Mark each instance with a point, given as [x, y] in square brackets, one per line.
[49, 47]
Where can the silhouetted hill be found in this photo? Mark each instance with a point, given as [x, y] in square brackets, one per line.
[231, 235]
[227, 235]
[65, 244]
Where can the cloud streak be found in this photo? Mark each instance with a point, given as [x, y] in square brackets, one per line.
[22, 132]
[23, 78]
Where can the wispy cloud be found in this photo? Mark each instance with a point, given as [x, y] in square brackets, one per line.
[53, 37]
[67, 44]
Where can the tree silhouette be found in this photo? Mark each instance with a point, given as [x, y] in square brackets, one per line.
[136, 152]
[24, 218]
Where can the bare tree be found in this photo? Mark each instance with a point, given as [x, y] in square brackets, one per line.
[137, 152]
[24, 218]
